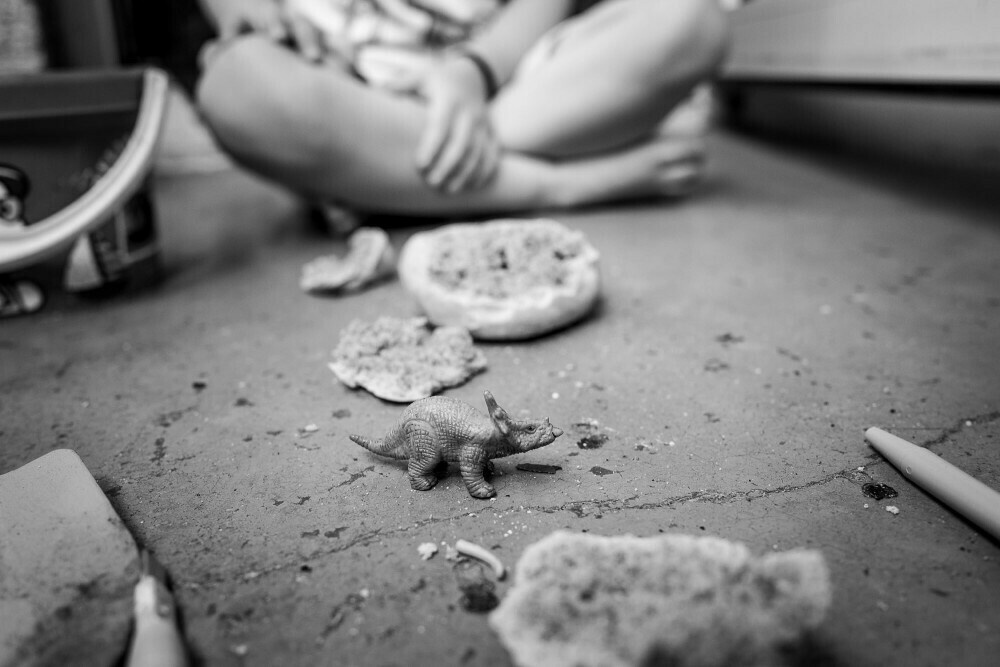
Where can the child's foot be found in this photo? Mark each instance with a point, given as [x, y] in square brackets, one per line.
[693, 117]
[662, 166]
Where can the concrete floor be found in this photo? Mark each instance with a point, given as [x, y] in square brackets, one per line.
[746, 339]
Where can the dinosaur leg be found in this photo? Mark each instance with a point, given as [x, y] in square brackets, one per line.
[472, 462]
[424, 455]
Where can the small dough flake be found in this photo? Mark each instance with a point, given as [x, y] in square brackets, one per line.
[369, 258]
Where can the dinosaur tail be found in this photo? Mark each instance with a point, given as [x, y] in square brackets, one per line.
[379, 446]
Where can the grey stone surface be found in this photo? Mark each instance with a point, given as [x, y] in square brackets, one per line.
[745, 339]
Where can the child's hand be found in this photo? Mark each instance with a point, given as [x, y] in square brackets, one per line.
[458, 150]
[270, 17]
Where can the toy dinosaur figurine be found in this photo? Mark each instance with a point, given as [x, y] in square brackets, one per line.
[439, 428]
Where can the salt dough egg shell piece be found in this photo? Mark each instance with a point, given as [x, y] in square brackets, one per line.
[327, 273]
[526, 293]
[370, 257]
[371, 252]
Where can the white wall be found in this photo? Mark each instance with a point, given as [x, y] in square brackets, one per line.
[874, 42]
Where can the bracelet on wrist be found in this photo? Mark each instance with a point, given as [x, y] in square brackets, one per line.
[489, 77]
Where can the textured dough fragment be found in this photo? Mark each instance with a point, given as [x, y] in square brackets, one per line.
[403, 360]
[679, 600]
[369, 258]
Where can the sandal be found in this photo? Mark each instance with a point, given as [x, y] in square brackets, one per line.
[19, 297]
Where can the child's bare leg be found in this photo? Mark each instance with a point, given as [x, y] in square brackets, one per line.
[329, 136]
[617, 71]
[323, 133]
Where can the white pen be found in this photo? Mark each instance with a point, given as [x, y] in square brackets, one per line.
[960, 491]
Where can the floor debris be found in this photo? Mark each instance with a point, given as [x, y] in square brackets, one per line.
[539, 467]
[478, 593]
[879, 491]
[475, 551]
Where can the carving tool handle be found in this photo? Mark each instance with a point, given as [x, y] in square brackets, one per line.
[960, 491]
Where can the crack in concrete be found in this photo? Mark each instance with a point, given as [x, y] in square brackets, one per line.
[851, 474]
[960, 425]
[353, 477]
[579, 507]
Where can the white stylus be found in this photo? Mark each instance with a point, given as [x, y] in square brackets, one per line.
[960, 491]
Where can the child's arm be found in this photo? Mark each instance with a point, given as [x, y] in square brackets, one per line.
[458, 151]
[516, 29]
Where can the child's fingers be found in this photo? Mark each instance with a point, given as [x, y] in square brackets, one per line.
[436, 129]
[453, 153]
[480, 165]
[307, 38]
[489, 163]
[465, 174]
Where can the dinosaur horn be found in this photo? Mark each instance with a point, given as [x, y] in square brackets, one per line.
[497, 414]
